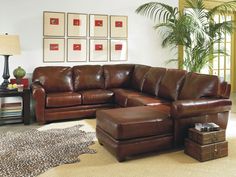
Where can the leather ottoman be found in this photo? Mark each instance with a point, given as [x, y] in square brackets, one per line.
[134, 130]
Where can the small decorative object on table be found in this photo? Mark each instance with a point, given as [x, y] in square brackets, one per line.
[206, 127]
[19, 73]
[208, 145]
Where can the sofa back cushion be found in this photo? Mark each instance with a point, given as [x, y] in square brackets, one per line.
[199, 85]
[88, 77]
[117, 76]
[152, 80]
[54, 78]
[171, 84]
[138, 76]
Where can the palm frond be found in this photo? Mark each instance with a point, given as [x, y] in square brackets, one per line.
[155, 10]
[223, 9]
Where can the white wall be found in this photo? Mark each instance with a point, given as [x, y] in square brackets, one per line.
[25, 18]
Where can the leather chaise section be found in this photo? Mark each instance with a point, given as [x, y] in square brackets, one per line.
[127, 123]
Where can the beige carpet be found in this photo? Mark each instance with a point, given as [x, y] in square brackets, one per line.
[168, 164]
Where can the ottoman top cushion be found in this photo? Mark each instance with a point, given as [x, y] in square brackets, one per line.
[134, 122]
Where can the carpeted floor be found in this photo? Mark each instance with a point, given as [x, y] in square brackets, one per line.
[166, 164]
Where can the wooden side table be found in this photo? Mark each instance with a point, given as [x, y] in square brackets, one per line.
[205, 146]
[25, 95]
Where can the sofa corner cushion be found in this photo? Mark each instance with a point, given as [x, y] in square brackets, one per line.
[117, 76]
[138, 76]
[65, 99]
[171, 84]
[97, 96]
[122, 95]
[199, 85]
[152, 80]
[88, 77]
[54, 78]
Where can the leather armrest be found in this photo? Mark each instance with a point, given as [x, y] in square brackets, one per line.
[189, 108]
[39, 95]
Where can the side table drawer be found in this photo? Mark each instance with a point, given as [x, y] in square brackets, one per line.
[204, 138]
[206, 152]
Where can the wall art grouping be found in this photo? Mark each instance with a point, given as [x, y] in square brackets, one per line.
[81, 37]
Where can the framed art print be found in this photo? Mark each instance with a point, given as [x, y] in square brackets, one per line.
[53, 50]
[119, 26]
[98, 25]
[54, 24]
[98, 50]
[76, 50]
[119, 50]
[77, 25]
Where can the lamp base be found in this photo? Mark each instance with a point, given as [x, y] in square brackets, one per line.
[6, 74]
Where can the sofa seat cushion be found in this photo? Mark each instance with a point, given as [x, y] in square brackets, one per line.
[97, 96]
[134, 122]
[145, 100]
[54, 100]
[122, 95]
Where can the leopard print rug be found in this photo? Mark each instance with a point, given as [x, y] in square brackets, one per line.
[32, 152]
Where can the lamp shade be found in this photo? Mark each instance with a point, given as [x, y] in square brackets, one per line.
[9, 45]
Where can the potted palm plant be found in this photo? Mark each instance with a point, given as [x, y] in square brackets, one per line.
[195, 29]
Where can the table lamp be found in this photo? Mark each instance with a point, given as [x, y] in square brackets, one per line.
[9, 45]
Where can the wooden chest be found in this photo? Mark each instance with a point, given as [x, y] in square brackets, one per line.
[204, 138]
[206, 152]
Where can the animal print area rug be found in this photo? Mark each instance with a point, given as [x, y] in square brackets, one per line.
[32, 152]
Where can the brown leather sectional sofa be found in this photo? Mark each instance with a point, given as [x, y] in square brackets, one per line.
[77, 92]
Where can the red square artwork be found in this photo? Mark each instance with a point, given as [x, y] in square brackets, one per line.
[98, 23]
[119, 24]
[98, 47]
[118, 47]
[54, 47]
[76, 47]
[76, 22]
[54, 21]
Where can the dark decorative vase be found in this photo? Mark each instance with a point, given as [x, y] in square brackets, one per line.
[19, 73]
